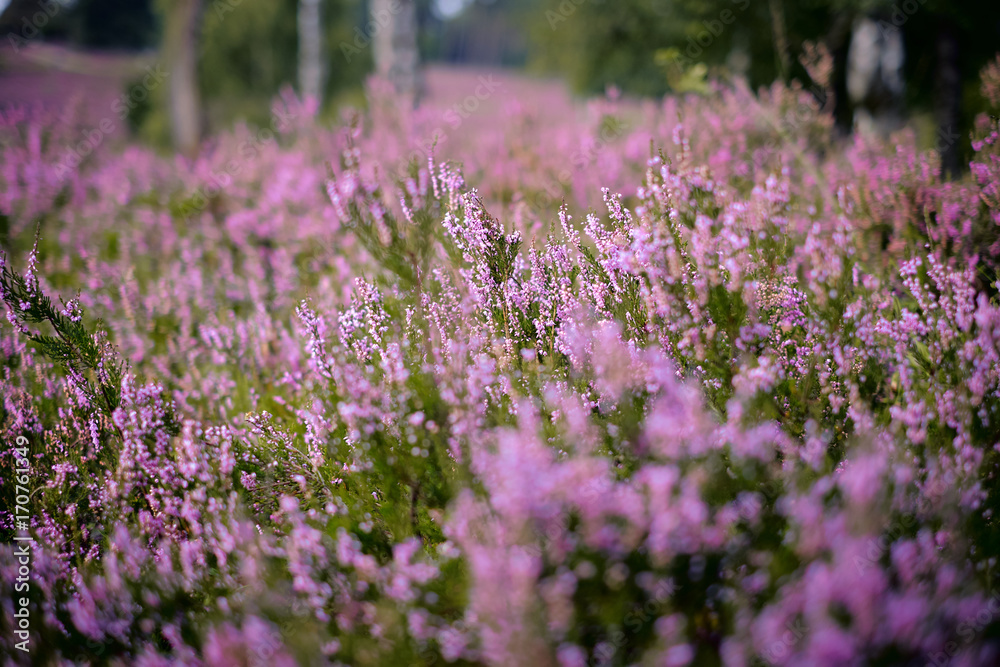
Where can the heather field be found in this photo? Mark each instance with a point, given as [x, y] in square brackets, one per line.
[508, 379]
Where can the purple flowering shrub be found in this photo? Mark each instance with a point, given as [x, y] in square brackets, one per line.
[727, 394]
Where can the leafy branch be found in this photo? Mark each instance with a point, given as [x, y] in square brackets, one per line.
[88, 358]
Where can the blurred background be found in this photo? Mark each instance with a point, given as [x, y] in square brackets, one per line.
[175, 71]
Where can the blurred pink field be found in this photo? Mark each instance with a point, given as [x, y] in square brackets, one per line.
[52, 75]
[689, 381]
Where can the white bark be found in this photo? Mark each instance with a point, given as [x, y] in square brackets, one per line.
[312, 74]
[396, 55]
[181, 46]
[875, 83]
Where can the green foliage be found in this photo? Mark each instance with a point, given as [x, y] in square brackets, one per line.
[88, 358]
[250, 50]
[403, 246]
[649, 47]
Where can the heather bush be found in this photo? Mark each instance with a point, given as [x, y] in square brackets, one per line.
[726, 394]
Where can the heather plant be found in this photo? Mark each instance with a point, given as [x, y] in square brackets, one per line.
[730, 398]
[38, 181]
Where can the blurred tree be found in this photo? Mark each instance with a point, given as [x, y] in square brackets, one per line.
[24, 20]
[395, 41]
[874, 74]
[485, 32]
[180, 44]
[311, 60]
[251, 48]
[597, 43]
[947, 43]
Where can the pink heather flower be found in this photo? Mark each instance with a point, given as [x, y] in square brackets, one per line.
[248, 480]
[570, 655]
[16, 323]
[678, 656]
[765, 360]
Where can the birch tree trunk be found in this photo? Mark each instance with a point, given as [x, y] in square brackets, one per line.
[181, 50]
[311, 70]
[875, 82]
[396, 55]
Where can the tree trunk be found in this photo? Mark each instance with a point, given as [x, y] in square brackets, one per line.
[311, 70]
[838, 40]
[396, 55]
[181, 49]
[875, 82]
[780, 38]
[949, 99]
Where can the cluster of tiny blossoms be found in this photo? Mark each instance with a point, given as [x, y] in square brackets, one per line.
[735, 400]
